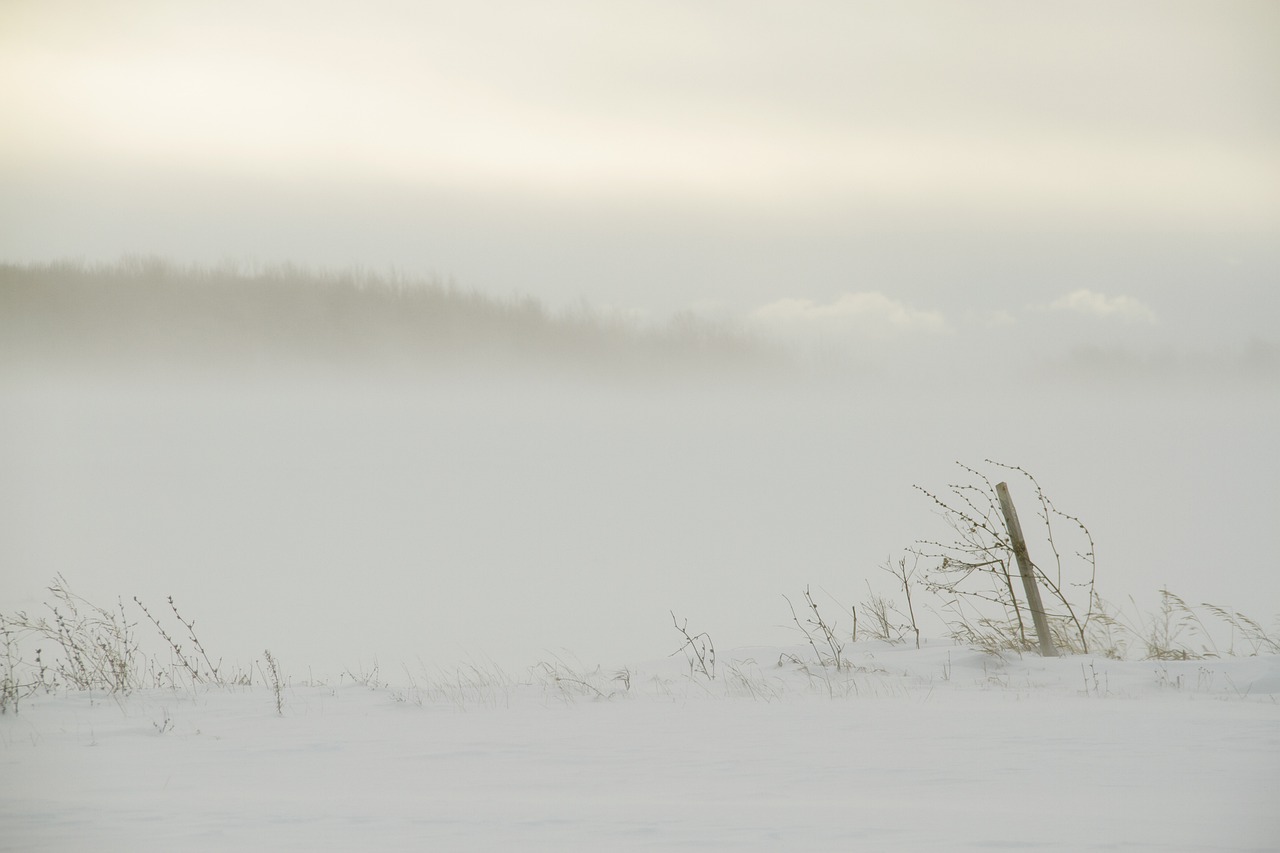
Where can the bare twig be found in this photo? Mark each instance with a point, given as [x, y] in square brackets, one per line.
[698, 648]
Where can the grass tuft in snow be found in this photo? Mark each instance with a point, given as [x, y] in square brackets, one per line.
[82, 646]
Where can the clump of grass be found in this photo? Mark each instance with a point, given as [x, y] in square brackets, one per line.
[485, 685]
[831, 651]
[1246, 630]
[1179, 631]
[370, 677]
[13, 687]
[569, 683]
[698, 649]
[883, 619]
[78, 645]
[96, 647]
[1174, 626]
[272, 677]
[196, 664]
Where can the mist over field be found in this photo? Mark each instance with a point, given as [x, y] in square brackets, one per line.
[344, 470]
[431, 331]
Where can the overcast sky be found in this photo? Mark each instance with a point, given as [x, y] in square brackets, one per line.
[1098, 173]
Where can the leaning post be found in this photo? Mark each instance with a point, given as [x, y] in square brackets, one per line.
[1027, 571]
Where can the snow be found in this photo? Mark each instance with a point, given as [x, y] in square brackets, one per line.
[943, 748]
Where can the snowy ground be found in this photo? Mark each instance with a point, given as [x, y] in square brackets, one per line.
[939, 749]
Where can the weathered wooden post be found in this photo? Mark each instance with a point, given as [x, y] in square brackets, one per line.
[1025, 568]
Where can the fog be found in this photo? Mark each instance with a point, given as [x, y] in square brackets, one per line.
[891, 239]
[453, 504]
[444, 523]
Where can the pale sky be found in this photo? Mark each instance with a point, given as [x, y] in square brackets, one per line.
[867, 169]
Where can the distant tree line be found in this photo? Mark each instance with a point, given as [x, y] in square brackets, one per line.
[143, 312]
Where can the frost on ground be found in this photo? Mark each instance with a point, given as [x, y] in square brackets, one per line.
[943, 748]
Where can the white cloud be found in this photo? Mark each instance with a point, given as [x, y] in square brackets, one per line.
[865, 314]
[1100, 305]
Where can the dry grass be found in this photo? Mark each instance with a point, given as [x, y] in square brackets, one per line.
[79, 645]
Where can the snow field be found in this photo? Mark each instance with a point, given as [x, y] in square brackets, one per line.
[938, 749]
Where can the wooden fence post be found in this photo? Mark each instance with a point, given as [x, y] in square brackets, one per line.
[1025, 568]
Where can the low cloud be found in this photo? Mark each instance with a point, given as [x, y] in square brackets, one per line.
[866, 314]
[1124, 308]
